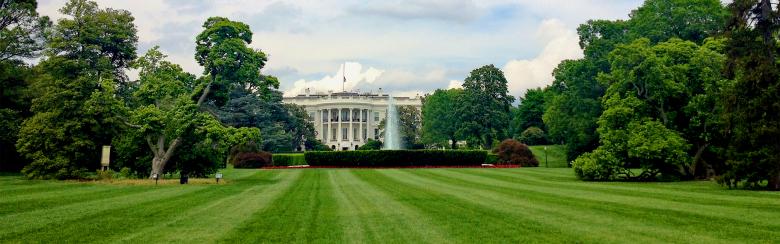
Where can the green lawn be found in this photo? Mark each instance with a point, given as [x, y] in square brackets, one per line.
[556, 156]
[388, 206]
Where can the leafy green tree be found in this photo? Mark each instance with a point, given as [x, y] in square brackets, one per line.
[77, 111]
[21, 29]
[533, 136]
[222, 49]
[440, 121]
[751, 105]
[529, 112]
[692, 20]
[485, 106]
[643, 125]
[283, 126]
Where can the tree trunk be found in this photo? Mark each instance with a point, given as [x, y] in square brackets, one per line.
[454, 143]
[160, 159]
[774, 182]
[697, 158]
[161, 155]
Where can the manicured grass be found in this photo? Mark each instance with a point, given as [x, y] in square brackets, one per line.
[556, 156]
[388, 206]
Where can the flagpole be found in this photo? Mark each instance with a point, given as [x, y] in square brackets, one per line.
[344, 75]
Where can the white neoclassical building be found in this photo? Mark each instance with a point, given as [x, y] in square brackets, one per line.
[346, 120]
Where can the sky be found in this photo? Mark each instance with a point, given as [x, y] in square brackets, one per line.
[404, 47]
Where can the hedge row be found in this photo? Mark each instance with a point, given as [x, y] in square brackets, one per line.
[289, 159]
[396, 158]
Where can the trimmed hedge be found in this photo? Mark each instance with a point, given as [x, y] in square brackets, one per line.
[396, 158]
[492, 159]
[289, 159]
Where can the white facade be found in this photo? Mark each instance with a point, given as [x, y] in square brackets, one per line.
[346, 120]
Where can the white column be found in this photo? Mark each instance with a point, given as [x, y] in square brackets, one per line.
[320, 124]
[338, 131]
[360, 126]
[350, 134]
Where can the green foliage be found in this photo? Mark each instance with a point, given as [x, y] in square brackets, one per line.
[77, 111]
[694, 20]
[529, 112]
[222, 48]
[485, 105]
[283, 126]
[396, 158]
[15, 98]
[513, 152]
[751, 104]
[371, 144]
[533, 136]
[492, 158]
[22, 30]
[440, 123]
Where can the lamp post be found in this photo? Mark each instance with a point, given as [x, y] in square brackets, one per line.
[545, 157]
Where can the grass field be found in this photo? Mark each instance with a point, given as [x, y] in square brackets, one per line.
[556, 156]
[390, 205]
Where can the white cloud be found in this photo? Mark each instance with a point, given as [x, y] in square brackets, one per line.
[354, 74]
[562, 44]
[455, 84]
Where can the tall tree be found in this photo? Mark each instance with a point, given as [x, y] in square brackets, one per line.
[77, 110]
[222, 49]
[440, 121]
[529, 112]
[752, 105]
[486, 105]
[21, 29]
[643, 124]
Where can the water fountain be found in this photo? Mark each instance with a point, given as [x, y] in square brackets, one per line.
[392, 136]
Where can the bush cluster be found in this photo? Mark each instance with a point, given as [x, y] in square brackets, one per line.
[396, 158]
[246, 160]
[513, 152]
[288, 159]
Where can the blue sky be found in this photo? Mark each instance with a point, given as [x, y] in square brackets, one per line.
[404, 47]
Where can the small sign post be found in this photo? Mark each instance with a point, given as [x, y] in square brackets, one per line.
[105, 158]
[218, 176]
[545, 157]
[156, 177]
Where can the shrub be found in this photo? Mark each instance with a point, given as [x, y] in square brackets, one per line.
[596, 165]
[511, 151]
[396, 158]
[371, 145]
[288, 159]
[533, 136]
[245, 160]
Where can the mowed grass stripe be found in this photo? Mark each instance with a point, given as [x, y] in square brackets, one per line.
[208, 222]
[372, 216]
[47, 200]
[734, 208]
[307, 212]
[690, 227]
[461, 220]
[589, 220]
[42, 220]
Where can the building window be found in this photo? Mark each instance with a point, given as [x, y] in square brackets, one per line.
[355, 135]
[376, 116]
[344, 134]
[333, 134]
[325, 134]
[311, 116]
[324, 117]
[376, 134]
[365, 135]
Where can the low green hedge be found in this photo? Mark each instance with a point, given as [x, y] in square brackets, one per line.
[396, 158]
[288, 159]
[492, 159]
